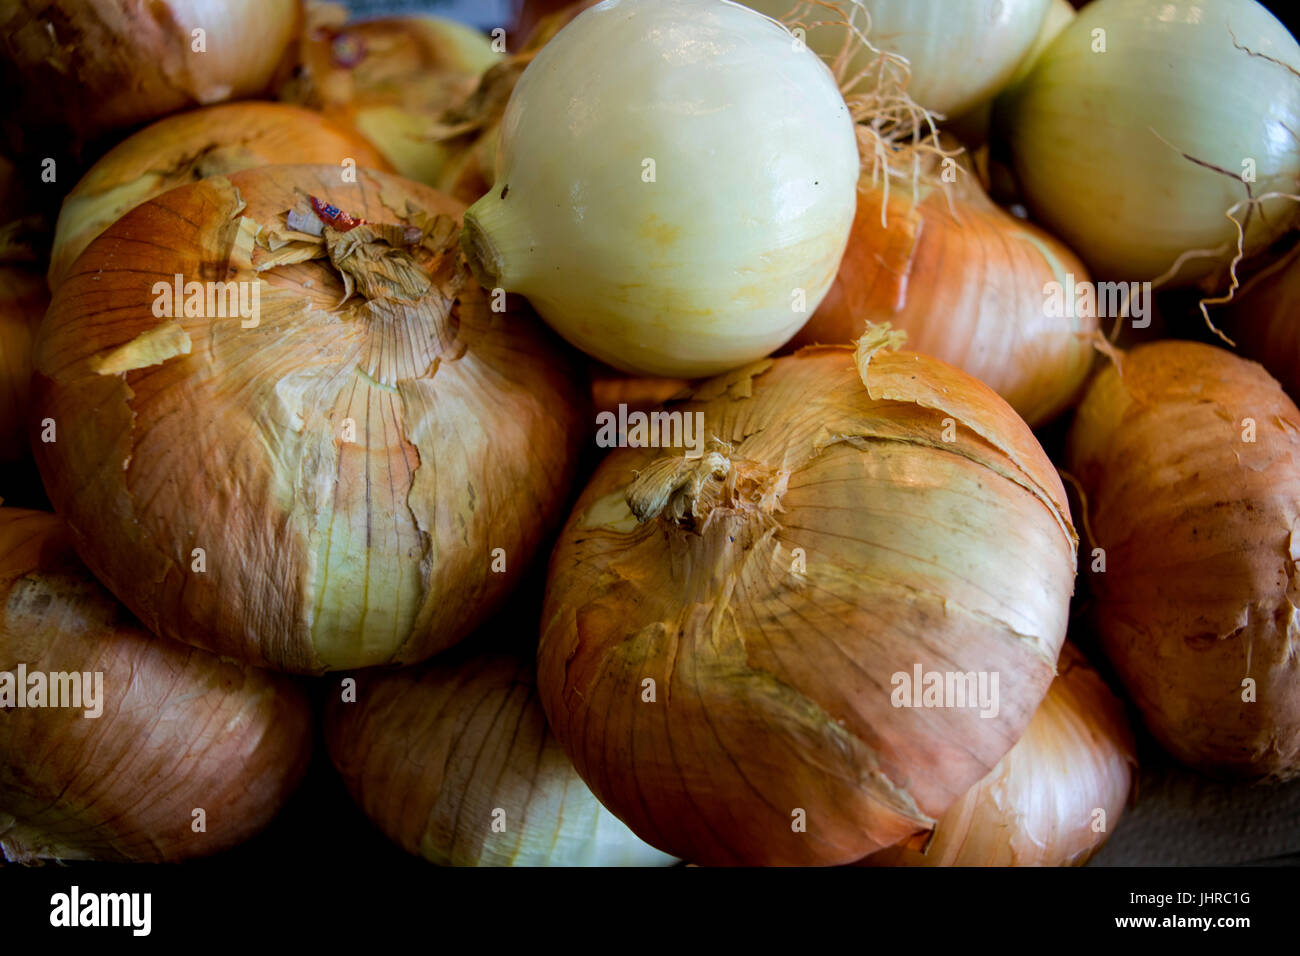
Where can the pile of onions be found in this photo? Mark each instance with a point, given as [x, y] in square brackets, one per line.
[22, 303]
[959, 54]
[454, 762]
[95, 67]
[392, 78]
[356, 475]
[967, 282]
[1057, 794]
[1136, 155]
[723, 636]
[1190, 460]
[183, 149]
[1262, 321]
[675, 186]
[177, 730]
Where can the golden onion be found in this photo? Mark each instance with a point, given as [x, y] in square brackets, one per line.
[724, 636]
[1190, 460]
[356, 474]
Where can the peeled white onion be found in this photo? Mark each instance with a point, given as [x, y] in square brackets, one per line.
[674, 187]
[1109, 146]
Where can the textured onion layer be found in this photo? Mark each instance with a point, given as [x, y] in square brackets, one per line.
[179, 730]
[358, 477]
[721, 672]
[1190, 459]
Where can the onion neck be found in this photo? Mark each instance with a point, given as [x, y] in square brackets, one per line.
[489, 243]
[681, 490]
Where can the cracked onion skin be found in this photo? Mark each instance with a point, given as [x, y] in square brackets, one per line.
[430, 752]
[180, 729]
[1201, 533]
[1038, 806]
[90, 67]
[773, 681]
[319, 552]
[183, 149]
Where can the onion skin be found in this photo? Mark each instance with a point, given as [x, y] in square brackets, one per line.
[967, 289]
[1085, 128]
[609, 389]
[23, 300]
[92, 67]
[1037, 806]
[180, 729]
[1199, 529]
[429, 753]
[183, 149]
[320, 552]
[1262, 321]
[774, 684]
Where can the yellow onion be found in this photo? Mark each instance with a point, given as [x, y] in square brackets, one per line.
[92, 67]
[356, 475]
[1190, 460]
[185, 148]
[22, 303]
[392, 78]
[959, 54]
[674, 186]
[1262, 320]
[610, 389]
[1135, 132]
[723, 635]
[454, 762]
[157, 732]
[968, 283]
[1057, 794]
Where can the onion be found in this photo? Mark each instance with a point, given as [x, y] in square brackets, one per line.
[674, 189]
[959, 54]
[1039, 806]
[177, 730]
[1060, 14]
[359, 478]
[609, 390]
[94, 67]
[454, 763]
[1111, 148]
[22, 303]
[966, 281]
[1190, 459]
[723, 636]
[185, 148]
[1262, 321]
[391, 78]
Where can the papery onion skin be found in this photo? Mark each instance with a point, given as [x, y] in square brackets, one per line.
[960, 54]
[94, 67]
[690, 208]
[436, 755]
[1262, 321]
[391, 78]
[23, 300]
[183, 149]
[966, 281]
[1085, 133]
[323, 548]
[1038, 806]
[772, 667]
[180, 729]
[1200, 530]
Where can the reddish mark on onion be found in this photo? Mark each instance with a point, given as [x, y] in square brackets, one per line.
[334, 217]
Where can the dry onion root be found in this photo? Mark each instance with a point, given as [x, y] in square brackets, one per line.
[178, 730]
[358, 476]
[968, 283]
[1054, 798]
[721, 634]
[1190, 460]
[454, 762]
[22, 303]
[186, 148]
[93, 67]
[392, 78]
